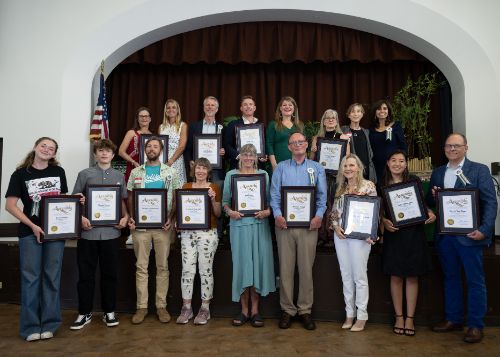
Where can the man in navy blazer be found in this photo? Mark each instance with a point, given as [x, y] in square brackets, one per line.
[464, 251]
[208, 125]
[247, 107]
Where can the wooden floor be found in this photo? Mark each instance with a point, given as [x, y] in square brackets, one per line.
[220, 338]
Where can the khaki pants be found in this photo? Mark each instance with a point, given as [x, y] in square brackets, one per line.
[296, 245]
[142, 247]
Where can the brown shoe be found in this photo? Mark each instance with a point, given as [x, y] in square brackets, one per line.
[473, 335]
[285, 320]
[139, 316]
[308, 322]
[447, 326]
[163, 315]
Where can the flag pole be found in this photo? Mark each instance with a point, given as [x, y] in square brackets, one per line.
[99, 126]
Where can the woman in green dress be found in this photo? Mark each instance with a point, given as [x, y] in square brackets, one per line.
[286, 122]
[251, 246]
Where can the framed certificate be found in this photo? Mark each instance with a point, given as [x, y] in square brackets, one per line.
[103, 204]
[208, 146]
[193, 208]
[248, 193]
[360, 216]
[251, 134]
[142, 149]
[60, 217]
[330, 153]
[404, 203]
[298, 205]
[150, 207]
[458, 211]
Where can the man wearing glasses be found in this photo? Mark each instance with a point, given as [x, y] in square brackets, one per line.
[297, 245]
[467, 250]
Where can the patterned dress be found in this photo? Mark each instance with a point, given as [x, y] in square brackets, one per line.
[174, 137]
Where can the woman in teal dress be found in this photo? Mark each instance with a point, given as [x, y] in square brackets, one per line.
[286, 122]
[251, 246]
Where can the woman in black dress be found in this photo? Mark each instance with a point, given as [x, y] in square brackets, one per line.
[386, 135]
[405, 254]
[329, 128]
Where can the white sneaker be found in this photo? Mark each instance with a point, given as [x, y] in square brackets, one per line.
[46, 335]
[129, 240]
[110, 319]
[81, 321]
[33, 337]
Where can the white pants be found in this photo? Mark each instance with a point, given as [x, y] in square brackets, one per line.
[198, 247]
[353, 260]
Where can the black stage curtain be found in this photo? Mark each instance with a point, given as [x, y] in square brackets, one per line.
[321, 66]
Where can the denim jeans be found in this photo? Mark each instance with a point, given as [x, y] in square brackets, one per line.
[40, 266]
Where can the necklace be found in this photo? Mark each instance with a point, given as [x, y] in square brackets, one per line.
[351, 189]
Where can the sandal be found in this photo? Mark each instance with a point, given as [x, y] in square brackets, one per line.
[409, 331]
[257, 321]
[398, 330]
[240, 320]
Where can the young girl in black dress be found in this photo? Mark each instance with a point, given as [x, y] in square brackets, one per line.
[405, 254]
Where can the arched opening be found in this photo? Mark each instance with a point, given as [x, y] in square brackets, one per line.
[76, 85]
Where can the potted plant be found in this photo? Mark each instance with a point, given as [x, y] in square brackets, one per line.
[411, 108]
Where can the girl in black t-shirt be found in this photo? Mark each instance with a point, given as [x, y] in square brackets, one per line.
[40, 263]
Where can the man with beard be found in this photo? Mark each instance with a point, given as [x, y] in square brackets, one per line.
[153, 174]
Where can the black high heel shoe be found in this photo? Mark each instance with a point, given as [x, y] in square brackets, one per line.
[409, 331]
[398, 330]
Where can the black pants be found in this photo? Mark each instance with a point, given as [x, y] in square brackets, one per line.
[89, 252]
[324, 234]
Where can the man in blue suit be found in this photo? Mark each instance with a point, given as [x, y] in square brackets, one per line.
[464, 251]
[208, 125]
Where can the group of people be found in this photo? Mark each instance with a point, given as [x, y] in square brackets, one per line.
[373, 156]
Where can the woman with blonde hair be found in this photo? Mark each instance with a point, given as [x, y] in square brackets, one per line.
[177, 132]
[352, 254]
[286, 122]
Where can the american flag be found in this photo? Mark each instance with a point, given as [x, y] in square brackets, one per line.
[99, 128]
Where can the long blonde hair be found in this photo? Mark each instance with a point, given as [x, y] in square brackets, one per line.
[329, 113]
[342, 181]
[278, 117]
[30, 158]
[166, 121]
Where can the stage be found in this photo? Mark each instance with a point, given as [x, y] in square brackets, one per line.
[328, 299]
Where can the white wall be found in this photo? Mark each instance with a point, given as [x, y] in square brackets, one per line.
[50, 52]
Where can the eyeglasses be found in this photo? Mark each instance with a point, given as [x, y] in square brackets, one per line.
[453, 146]
[297, 142]
[144, 116]
[330, 119]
